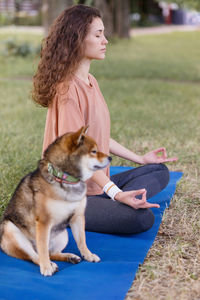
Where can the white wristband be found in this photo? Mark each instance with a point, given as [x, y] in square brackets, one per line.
[111, 189]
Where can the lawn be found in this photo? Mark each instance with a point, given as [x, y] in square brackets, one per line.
[151, 85]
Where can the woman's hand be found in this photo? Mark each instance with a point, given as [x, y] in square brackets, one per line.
[157, 156]
[130, 199]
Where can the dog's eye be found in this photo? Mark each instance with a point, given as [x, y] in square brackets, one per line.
[93, 151]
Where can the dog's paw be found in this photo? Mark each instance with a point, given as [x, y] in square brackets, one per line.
[91, 257]
[74, 259]
[48, 270]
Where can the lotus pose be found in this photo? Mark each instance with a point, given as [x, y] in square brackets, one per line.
[116, 204]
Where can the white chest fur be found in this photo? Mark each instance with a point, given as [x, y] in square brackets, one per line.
[64, 200]
[60, 210]
[70, 192]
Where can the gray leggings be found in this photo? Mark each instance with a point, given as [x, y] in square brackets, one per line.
[108, 216]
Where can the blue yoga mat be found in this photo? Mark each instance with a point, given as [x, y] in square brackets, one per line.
[110, 279]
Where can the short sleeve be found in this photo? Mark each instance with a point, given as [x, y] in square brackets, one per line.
[70, 117]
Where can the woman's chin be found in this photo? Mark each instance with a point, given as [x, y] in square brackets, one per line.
[101, 57]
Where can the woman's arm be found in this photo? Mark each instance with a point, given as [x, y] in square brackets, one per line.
[121, 151]
[100, 178]
[156, 156]
[129, 197]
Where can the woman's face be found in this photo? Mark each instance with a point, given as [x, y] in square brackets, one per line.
[95, 41]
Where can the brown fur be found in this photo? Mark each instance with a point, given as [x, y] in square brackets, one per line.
[34, 223]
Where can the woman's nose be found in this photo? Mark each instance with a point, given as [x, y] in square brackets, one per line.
[105, 41]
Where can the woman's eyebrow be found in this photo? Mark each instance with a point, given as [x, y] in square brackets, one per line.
[100, 30]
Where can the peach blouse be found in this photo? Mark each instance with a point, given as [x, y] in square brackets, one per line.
[80, 105]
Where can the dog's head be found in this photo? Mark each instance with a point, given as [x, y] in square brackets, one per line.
[77, 154]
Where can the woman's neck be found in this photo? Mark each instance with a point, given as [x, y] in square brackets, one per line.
[83, 71]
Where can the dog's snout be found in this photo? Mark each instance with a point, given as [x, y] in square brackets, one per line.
[109, 158]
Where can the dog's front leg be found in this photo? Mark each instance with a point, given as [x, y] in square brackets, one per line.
[47, 268]
[77, 224]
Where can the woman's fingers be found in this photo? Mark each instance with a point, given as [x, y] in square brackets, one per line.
[164, 158]
[151, 205]
[163, 150]
[130, 198]
[171, 159]
[142, 192]
[142, 203]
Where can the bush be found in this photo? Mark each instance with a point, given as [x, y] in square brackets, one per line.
[13, 47]
[24, 19]
[21, 19]
[6, 19]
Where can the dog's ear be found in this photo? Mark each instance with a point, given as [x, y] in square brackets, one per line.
[81, 134]
[86, 129]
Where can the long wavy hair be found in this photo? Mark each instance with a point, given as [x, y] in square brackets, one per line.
[62, 51]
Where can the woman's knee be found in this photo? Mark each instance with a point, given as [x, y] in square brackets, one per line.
[145, 220]
[138, 221]
[163, 175]
[103, 215]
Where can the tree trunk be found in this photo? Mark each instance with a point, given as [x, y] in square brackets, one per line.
[116, 16]
[122, 20]
[106, 9]
[51, 9]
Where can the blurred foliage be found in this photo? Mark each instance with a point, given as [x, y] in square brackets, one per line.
[20, 19]
[13, 47]
[6, 19]
[192, 4]
[26, 20]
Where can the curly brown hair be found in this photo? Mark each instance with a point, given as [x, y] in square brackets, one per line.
[62, 51]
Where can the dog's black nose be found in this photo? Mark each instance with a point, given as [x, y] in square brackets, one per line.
[109, 158]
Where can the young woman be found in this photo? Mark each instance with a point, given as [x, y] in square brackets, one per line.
[64, 85]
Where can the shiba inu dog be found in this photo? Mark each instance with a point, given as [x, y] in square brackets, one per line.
[46, 200]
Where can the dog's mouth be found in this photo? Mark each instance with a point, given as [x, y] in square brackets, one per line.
[106, 163]
[98, 167]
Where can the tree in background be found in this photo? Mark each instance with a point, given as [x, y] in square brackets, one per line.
[148, 10]
[116, 16]
[51, 9]
[115, 13]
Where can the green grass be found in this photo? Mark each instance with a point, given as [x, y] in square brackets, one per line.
[151, 85]
[14, 66]
[174, 56]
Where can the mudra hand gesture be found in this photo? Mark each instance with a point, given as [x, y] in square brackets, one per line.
[130, 198]
[157, 156]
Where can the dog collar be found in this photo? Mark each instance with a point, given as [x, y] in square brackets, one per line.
[62, 177]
